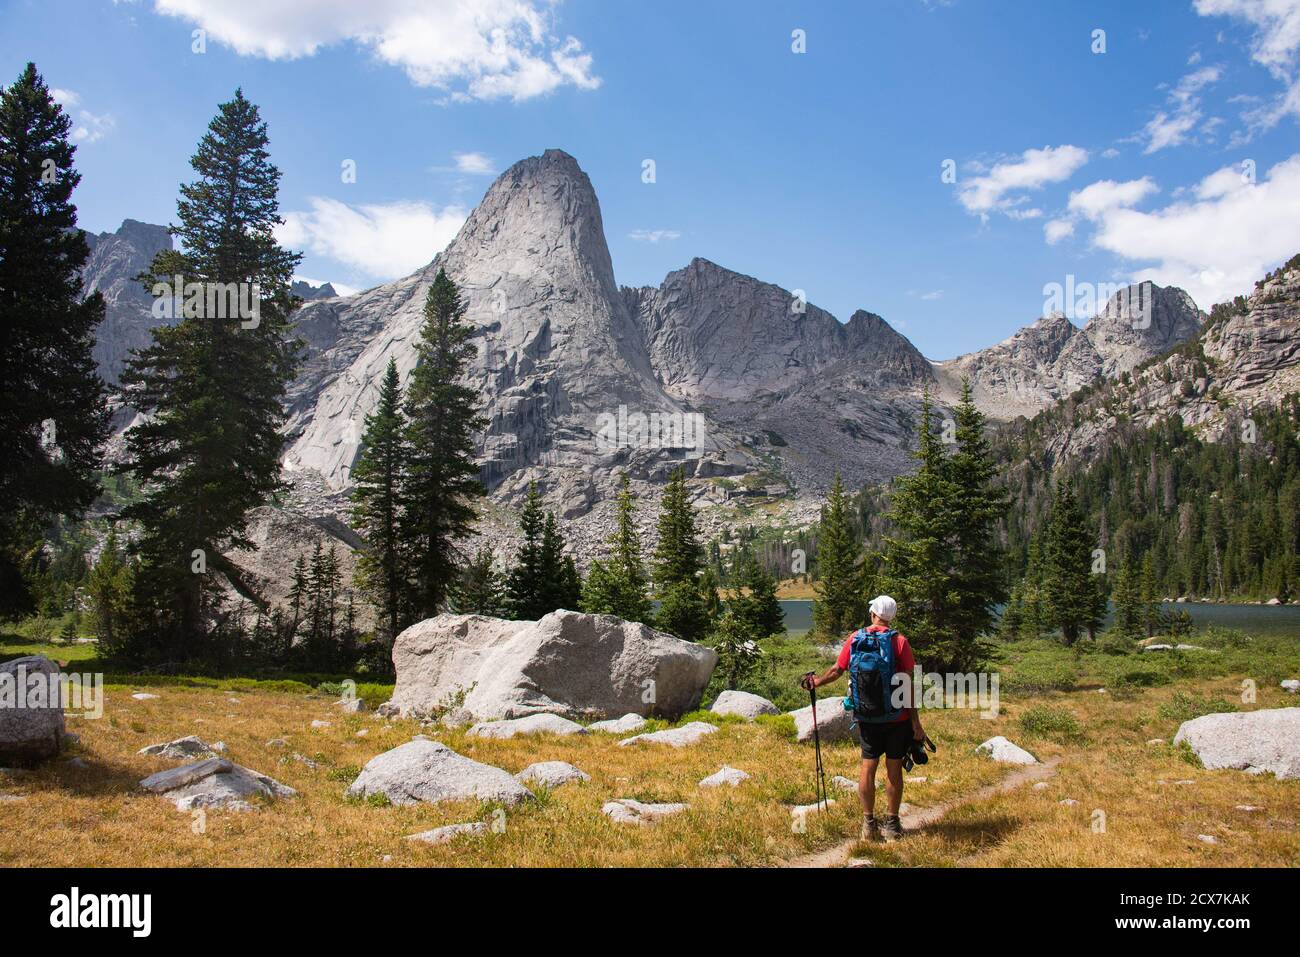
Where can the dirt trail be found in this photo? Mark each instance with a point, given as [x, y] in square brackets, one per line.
[918, 818]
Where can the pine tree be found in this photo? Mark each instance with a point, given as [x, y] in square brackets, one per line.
[1070, 592]
[481, 590]
[978, 506]
[755, 603]
[442, 475]
[377, 506]
[1128, 605]
[211, 387]
[920, 562]
[840, 605]
[298, 596]
[1149, 597]
[617, 586]
[525, 584]
[109, 588]
[684, 605]
[52, 410]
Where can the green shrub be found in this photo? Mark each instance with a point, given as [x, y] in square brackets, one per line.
[1050, 722]
[783, 724]
[1184, 707]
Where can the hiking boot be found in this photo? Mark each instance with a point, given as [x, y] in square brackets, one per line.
[891, 829]
[870, 829]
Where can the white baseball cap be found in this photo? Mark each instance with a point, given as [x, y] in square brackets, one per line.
[884, 607]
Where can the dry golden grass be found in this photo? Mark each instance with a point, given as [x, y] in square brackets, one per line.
[96, 816]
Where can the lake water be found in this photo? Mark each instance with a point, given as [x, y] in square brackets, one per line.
[1252, 619]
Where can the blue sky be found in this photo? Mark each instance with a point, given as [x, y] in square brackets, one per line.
[1173, 155]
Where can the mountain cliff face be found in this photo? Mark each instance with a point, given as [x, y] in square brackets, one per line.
[1046, 361]
[758, 395]
[1246, 355]
[115, 260]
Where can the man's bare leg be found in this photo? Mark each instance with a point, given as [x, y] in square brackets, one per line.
[894, 784]
[867, 786]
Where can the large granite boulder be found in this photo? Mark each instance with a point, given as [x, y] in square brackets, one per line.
[833, 722]
[31, 710]
[182, 749]
[567, 663]
[214, 783]
[423, 770]
[687, 734]
[551, 774]
[1252, 741]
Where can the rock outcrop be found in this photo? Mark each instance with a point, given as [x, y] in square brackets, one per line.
[568, 664]
[1006, 752]
[31, 710]
[834, 723]
[215, 783]
[115, 261]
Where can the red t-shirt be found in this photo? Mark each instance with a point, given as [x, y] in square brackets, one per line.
[903, 660]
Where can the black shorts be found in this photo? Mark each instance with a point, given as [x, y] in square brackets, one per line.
[891, 740]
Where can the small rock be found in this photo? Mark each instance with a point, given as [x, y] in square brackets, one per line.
[1291, 685]
[859, 862]
[11, 798]
[1000, 749]
[79, 764]
[625, 725]
[1155, 741]
[843, 783]
[214, 783]
[1185, 781]
[726, 775]
[551, 774]
[743, 704]
[799, 810]
[1249, 808]
[303, 759]
[441, 835]
[916, 780]
[456, 718]
[219, 747]
[1041, 786]
[182, 749]
[144, 696]
[1207, 839]
[1068, 802]
[430, 771]
[628, 811]
[277, 743]
[362, 733]
[532, 724]
[351, 705]
[320, 724]
[234, 701]
[676, 737]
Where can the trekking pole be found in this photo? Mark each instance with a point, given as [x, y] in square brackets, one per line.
[819, 785]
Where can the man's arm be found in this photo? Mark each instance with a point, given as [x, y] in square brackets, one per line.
[826, 677]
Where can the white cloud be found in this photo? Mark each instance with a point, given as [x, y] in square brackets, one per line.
[473, 163]
[1096, 198]
[382, 241]
[1218, 244]
[653, 235]
[1167, 129]
[932, 295]
[473, 49]
[88, 127]
[1001, 188]
[1275, 45]
[1054, 230]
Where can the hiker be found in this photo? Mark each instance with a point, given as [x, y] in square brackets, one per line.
[882, 729]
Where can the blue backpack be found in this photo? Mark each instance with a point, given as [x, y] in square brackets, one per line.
[871, 677]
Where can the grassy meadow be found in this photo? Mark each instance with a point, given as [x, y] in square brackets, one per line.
[1093, 712]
